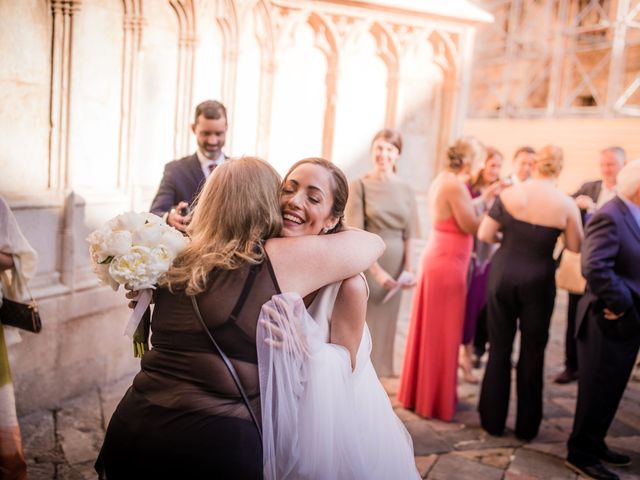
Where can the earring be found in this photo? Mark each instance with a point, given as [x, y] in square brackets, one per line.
[325, 230]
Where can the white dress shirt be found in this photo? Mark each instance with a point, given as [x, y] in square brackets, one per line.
[206, 162]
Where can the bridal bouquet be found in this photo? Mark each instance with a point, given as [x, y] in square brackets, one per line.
[135, 250]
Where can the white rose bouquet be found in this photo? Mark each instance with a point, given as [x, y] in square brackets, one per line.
[135, 250]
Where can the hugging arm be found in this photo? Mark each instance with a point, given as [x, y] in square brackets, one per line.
[304, 264]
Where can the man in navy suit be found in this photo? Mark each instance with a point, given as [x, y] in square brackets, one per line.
[183, 179]
[589, 197]
[608, 325]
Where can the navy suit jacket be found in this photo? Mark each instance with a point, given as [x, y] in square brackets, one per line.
[181, 182]
[611, 265]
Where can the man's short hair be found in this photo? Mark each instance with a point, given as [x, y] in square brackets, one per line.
[628, 180]
[526, 149]
[210, 109]
[618, 152]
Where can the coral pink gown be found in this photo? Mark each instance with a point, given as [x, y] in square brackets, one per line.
[429, 373]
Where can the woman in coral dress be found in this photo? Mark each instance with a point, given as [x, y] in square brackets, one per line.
[429, 374]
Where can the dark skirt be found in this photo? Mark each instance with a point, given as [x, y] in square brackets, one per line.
[148, 441]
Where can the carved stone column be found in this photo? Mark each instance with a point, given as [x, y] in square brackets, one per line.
[61, 87]
[186, 55]
[132, 41]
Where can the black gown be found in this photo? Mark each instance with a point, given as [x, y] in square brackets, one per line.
[521, 294]
[183, 417]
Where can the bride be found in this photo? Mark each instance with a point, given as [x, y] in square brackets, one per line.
[325, 414]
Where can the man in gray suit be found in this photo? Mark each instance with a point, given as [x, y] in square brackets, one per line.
[183, 178]
[589, 197]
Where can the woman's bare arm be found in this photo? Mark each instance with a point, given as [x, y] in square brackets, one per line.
[573, 232]
[304, 264]
[488, 230]
[349, 315]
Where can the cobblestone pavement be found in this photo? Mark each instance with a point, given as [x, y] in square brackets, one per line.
[63, 443]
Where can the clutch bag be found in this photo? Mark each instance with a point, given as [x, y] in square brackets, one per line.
[21, 315]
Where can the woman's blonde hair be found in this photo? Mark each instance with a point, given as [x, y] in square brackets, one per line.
[236, 211]
[549, 160]
[467, 151]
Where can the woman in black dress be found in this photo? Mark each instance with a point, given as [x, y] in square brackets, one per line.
[184, 417]
[528, 218]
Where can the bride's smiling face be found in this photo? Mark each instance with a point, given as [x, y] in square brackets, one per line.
[306, 200]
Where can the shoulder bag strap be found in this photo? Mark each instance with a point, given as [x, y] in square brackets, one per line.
[229, 365]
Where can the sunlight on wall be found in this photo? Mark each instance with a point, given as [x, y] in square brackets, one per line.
[299, 100]
[362, 94]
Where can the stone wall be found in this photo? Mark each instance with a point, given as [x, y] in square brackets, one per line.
[97, 95]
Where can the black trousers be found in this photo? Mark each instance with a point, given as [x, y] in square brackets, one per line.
[570, 346]
[533, 305]
[605, 367]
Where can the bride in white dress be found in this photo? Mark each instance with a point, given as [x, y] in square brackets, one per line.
[325, 414]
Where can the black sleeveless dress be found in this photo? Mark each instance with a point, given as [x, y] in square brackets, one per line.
[521, 294]
[183, 417]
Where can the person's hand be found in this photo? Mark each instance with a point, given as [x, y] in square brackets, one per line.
[132, 295]
[177, 221]
[288, 339]
[492, 191]
[585, 203]
[408, 280]
[609, 315]
[385, 280]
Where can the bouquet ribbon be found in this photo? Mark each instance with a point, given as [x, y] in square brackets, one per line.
[137, 327]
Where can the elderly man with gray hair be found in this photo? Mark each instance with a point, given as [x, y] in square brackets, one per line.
[589, 197]
[608, 325]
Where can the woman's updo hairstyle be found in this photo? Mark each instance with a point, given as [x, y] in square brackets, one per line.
[549, 160]
[466, 151]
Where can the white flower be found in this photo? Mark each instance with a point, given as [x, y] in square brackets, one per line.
[134, 249]
[140, 268]
[106, 243]
[174, 241]
[102, 272]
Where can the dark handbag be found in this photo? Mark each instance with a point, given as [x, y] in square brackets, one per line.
[21, 315]
[230, 367]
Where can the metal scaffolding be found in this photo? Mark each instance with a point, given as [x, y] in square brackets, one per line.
[557, 58]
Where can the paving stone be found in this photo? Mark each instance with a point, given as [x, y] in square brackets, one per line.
[454, 467]
[557, 449]
[532, 464]
[80, 428]
[628, 444]
[425, 440]
[407, 415]
[39, 439]
[549, 433]
[621, 429]
[83, 471]
[495, 457]
[390, 384]
[110, 396]
[41, 471]
[424, 464]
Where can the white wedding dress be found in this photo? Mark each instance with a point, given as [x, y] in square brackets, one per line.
[320, 419]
